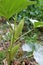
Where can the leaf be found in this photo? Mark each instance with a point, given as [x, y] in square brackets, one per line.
[38, 24]
[11, 7]
[11, 52]
[14, 51]
[41, 2]
[18, 29]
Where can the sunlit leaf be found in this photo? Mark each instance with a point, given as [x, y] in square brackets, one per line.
[18, 30]
[38, 24]
[14, 50]
[41, 2]
[11, 7]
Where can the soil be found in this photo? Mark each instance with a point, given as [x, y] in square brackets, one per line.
[25, 61]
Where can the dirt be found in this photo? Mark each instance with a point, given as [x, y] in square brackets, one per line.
[25, 61]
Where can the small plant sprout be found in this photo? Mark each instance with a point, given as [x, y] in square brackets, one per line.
[7, 9]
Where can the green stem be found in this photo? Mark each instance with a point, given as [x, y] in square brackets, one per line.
[23, 35]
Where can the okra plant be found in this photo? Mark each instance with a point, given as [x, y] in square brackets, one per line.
[7, 9]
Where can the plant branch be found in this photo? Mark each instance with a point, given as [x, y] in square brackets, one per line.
[24, 35]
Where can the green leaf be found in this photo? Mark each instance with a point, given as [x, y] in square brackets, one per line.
[11, 52]
[38, 24]
[18, 29]
[14, 51]
[41, 2]
[11, 7]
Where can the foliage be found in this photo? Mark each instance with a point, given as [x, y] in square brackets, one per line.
[38, 24]
[12, 50]
[41, 2]
[32, 38]
[7, 37]
[19, 29]
[2, 56]
[33, 11]
[9, 8]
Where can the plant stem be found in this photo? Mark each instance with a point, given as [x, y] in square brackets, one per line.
[24, 35]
